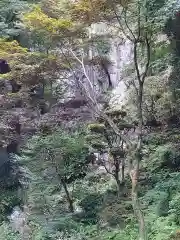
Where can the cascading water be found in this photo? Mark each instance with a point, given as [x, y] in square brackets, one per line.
[120, 56]
[17, 219]
[18, 216]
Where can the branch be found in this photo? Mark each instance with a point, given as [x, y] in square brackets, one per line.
[69, 63]
[135, 87]
[120, 24]
[115, 129]
[84, 70]
[127, 25]
[136, 45]
[107, 170]
[148, 58]
[141, 78]
[136, 62]
[95, 104]
[139, 22]
[75, 76]
[87, 93]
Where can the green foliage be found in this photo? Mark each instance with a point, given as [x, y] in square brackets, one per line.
[152, 197]
[161, 138]
[116, 113]
[7, 233]
[163, 207]
[65, 151]
[160, 58]
[90, 205]
[10, 18]
[40, 21]
[165, 156]
[96, 127]
[162, 228]
[117, 152]
[162, 211]
[45, 30]
[8, 200]
[52, 156]
[174, 208]
[102, 46]
[67, 224]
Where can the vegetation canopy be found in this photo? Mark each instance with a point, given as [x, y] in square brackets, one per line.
[89, 119]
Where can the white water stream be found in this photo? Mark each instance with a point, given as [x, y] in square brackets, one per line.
[120, 56]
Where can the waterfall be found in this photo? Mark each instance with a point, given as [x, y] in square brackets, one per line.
[123, 56]
[18, 216]
[17, 219]
[120, 56]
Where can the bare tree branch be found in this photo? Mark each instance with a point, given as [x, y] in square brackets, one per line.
[135, 87]
[136, 62]
[107, 170]
[95, 104]
[139, 21]
[127, 25]
[87, 77]
[148, 58]
[121, 26]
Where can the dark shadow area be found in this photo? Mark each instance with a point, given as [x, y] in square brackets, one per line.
[4, 67]
[107, 207]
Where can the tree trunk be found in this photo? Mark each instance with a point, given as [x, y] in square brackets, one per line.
[116, 173]
[69, 199]
[134, 173]
[135, 202]
[119, 186]
[122, 171]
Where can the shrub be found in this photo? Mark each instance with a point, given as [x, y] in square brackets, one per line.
[175, 208]
[165, 156]
[90, 205]
[8, 200]
[6, 233]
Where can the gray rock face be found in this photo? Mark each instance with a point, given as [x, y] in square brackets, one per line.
[12, 174]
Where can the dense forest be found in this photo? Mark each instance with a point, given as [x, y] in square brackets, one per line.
[89, 119]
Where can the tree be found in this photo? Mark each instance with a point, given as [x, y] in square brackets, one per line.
[140, 36]
[11, 26]
[104, 141]
[135, 21]
[64, 152]
[45, 31]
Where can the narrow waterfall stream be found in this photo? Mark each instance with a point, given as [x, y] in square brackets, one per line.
[17, 219]
[122, 55]
[18, 216]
